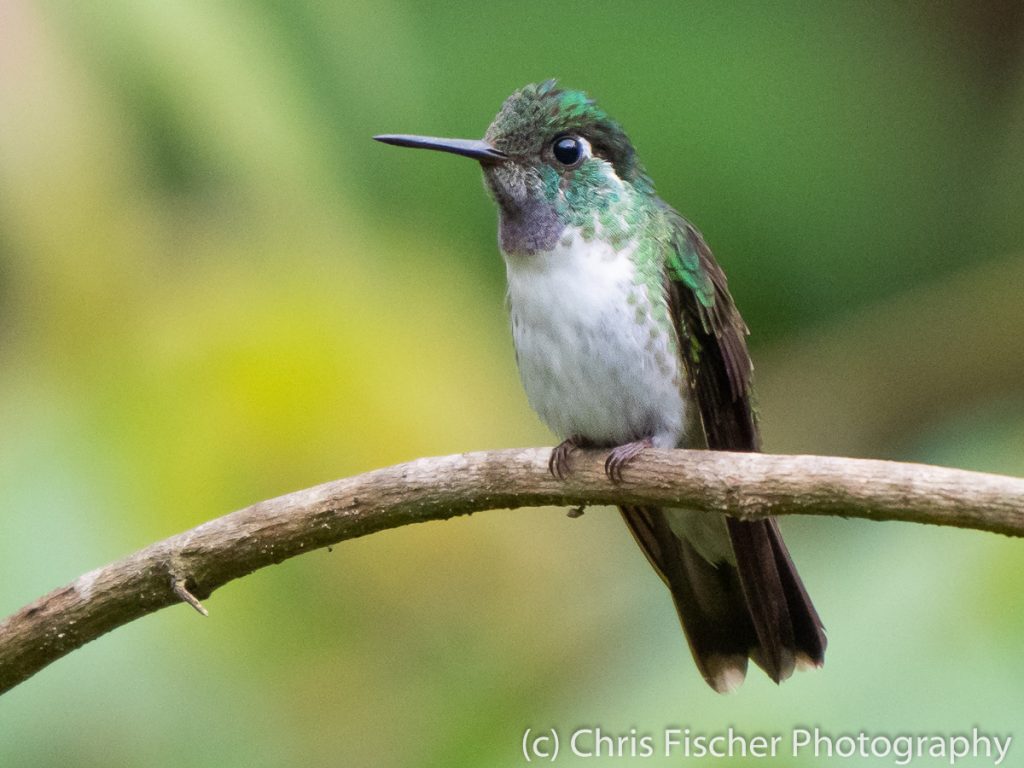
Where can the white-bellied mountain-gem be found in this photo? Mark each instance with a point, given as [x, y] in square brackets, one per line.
[626, 337]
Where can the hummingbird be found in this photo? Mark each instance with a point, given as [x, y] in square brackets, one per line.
[627, 338]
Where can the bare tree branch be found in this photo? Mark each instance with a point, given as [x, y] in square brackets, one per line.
[191, 565]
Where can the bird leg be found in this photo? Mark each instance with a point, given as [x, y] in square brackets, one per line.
[621, 456]
[558, 464]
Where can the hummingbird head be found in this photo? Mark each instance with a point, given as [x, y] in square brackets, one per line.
[552, 158]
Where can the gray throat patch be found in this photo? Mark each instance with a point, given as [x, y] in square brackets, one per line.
[533, 228]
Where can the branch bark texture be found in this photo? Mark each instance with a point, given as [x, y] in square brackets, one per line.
[190, 566]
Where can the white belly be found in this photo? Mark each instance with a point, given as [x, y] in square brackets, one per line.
[593, 361]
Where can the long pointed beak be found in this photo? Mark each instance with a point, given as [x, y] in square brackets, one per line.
[474, 148]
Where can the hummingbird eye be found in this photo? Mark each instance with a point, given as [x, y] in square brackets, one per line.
[569, 150]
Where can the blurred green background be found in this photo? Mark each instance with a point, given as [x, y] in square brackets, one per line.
[214, 288]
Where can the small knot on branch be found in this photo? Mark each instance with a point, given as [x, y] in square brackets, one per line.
[178, 585]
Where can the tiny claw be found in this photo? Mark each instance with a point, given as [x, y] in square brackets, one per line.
[558, 463]
[621, 456]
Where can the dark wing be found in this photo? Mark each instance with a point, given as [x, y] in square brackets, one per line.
[786, 628]
[714, 339]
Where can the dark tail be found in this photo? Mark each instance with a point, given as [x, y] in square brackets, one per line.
[758, 609]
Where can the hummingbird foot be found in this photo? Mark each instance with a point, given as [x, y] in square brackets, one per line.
[558, 464]
[621, 456]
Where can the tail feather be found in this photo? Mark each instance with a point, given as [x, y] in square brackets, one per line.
[757, 609]
[766, 599]
[807, 627]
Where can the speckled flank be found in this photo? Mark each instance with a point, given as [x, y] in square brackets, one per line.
[591, 359]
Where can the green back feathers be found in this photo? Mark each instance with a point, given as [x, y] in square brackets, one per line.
[684, 262]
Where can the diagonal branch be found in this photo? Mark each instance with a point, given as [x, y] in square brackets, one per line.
[190, 566]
